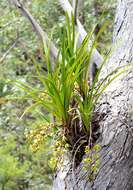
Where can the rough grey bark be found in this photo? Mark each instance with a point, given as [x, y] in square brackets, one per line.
[116, 168]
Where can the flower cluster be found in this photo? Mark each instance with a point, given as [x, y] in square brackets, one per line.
[36, 137]
[91, 162]
[59, 150]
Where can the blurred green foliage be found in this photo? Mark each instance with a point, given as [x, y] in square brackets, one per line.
[20, 169]
[11, 170]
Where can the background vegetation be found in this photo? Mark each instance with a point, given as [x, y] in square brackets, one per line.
[20, 168]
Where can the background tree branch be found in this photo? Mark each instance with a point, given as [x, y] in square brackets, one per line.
[8, 50]
[40, 32]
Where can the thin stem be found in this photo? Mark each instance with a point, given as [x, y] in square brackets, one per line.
[76, 12]
[3, 186]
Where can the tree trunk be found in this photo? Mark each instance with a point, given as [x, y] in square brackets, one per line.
[116, 168]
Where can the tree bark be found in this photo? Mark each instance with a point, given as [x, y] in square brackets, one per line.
[116, 155]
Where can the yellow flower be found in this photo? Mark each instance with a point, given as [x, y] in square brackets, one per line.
[97, 147]
[96, 156]
[94, 168]
[87, 160]
[87, 150]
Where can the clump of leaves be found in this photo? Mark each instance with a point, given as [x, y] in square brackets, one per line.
[65, 94]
